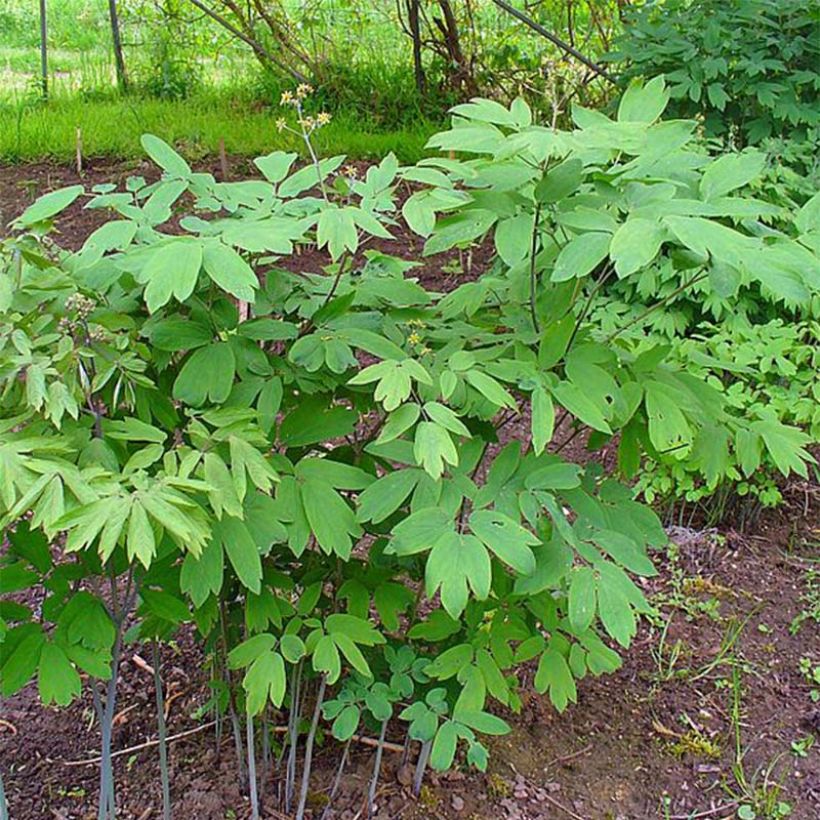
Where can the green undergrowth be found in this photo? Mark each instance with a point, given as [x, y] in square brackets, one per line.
[111, 127]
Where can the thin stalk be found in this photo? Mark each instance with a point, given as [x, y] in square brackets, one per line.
[237, 732]
[4, 811]
[300, 812]
[656, 306]
[107, 807]
[533, 272]
[337, 781]
[293, 734]
[254, 795]
[405, 755]
[421, 766]
[377, 766]
[161, 734]
[266, 756]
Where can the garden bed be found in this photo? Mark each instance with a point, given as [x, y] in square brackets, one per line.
[723, 681]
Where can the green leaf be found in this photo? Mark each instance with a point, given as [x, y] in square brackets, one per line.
[337, 230]
[292, 647]
[175, 334]
[352, 654]
[635, 244]
[542, 421]
[57, 679]
[172, 269]
[141, 543]
[419, 531]
[248, 651]
[331, 519]
[382, 498]
[579, 404]
[229, 271]
[265, 679]
[455, 562]
[668, 427]
[490, 389]
[202, 576]
[326, 659]
[556, 476]
[484, 722]
[164, 605]
[625, 551]
[276, 165]
[242, 551]
[49, 205]
[433, 448]
[729, 172]
[399, 421]
[444, 747]
[554, 675]
[513, 237]
[357, 629]
[20, 657]
[207, 375]
[560, 182]
[165, 156]
[346, 723]
[582, 598]
[506, 538]
[643, 103]
[616, 613]
[581, 255]
[311, 421]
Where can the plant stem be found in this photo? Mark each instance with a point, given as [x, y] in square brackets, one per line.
[161, 734]
[293, 733]
[300, 812]
[265, 753]
[421, 766]
[377, 765]
[237, 732]
[337, 781]
[252, 767]
[4, 811]
[533, 272]
[656, 306]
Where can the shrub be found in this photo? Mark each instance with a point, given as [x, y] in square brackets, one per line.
[308, 462]
[748, 67]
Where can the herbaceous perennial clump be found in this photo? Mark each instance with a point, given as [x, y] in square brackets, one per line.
[307, 464]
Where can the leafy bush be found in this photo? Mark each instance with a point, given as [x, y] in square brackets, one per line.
[764, 371]
[310, 464]
[748, 67]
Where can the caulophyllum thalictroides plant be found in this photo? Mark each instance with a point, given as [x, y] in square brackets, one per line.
[309, 464]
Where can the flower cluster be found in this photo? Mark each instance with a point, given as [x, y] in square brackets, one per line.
[307, 123]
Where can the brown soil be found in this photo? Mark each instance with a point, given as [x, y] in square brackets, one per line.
[659, 728]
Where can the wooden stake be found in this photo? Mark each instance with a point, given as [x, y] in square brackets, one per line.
[223, 159]
[79, 143]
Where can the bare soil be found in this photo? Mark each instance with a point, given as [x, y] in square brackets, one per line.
[722, 684]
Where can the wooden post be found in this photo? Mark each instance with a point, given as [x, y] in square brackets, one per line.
[43, 50]
[119, 59]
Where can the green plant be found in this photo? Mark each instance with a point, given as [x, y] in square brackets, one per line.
[757, 796]
[306, 463]
[811, 674]
[810, 602]
[748, 68]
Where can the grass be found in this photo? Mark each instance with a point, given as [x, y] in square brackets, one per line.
[112, 127]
